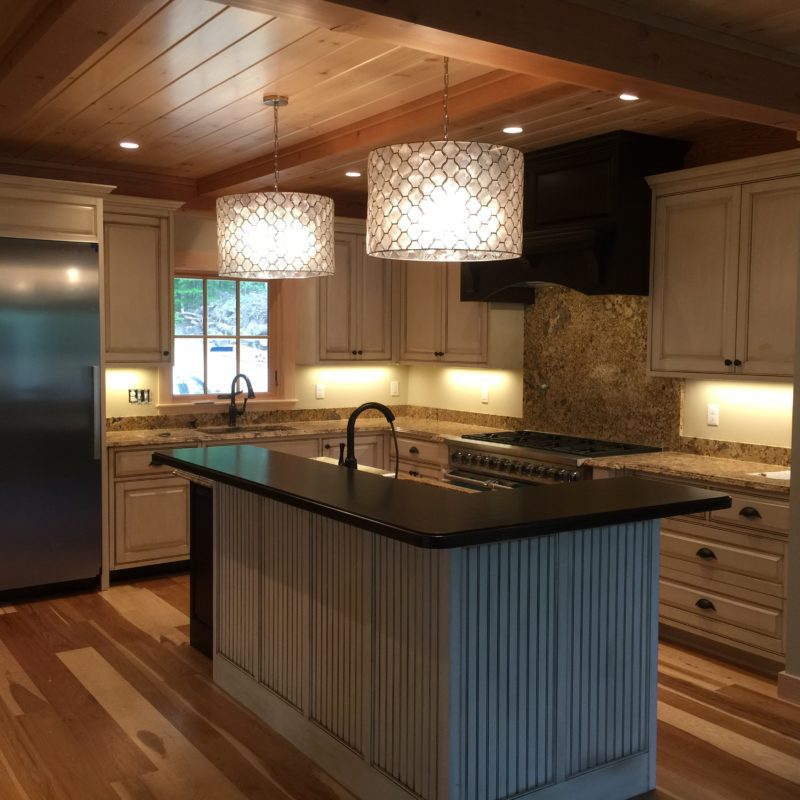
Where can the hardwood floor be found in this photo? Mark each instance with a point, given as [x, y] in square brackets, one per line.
[101, 697]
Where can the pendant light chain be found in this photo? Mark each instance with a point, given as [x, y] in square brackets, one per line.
[446, 90]
[275, 143]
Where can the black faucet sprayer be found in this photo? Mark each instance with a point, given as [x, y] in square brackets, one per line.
[350, 458]
[233, 411]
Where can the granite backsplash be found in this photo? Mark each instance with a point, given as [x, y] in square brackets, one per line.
[585, 373]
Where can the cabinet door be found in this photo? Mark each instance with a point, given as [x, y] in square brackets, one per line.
[769, 259]
[306, 448]
[369, 449]
[465, 324]
[336, 314]
[137, 289]
[151, 521]
[695, 264]
[373, 303]
[421, 303]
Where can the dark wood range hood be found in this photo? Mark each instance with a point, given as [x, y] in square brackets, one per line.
[586, 220]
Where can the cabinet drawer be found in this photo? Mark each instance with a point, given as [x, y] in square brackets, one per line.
[136, 462]
[745, 615]
[414, 469]
[753, 512]
[420, 450]
[715, 557]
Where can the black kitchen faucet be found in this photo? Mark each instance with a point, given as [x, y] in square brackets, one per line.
[233, 411]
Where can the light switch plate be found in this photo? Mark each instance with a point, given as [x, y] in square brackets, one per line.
[394, 388]
[484, 394]
[319, 391]
[712, 417]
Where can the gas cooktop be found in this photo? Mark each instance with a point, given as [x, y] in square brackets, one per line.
[556, 443]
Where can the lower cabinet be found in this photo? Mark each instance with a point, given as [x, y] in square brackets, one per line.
[723, 579]
[420, 458]
[369, 449]
[151, 521]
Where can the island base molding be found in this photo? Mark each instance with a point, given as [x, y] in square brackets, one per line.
[524, 668]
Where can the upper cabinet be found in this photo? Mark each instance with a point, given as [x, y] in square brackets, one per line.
[435, 326]
[138, 280]
[355, 304]
[726, 251]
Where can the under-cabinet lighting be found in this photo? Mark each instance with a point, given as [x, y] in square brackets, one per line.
[351, 173]
[129, 145]
[354, 375]
[512, 129]
[629, 96]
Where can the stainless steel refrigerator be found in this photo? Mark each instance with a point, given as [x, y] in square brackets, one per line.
[50, 501]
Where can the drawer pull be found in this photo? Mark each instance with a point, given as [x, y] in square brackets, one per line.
[705, 604]
[748, 512]
[413, 473]
[413, 450]
[706, 552]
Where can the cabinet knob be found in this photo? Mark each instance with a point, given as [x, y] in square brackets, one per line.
[327, 447]
[165, 353]
[413, 473]
[414, 450]
[361, 352]
[728, 362]
[706, 552]
[705, 604]
[737, 362]
[354, 352]
[748, 512]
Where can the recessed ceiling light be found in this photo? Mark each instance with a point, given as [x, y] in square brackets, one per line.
[628, 96]
[351, 173]
[512, 129]
[129, 145]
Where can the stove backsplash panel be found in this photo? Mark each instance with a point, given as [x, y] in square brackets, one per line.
[585, 370]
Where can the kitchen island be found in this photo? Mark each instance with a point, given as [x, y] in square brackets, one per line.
[420, 642]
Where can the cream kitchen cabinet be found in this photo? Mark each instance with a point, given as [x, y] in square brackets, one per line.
[138, 280]
[420, 457]
[369, 448]
[149, 511]
[724, 271]
[355, 305]
[435, 326]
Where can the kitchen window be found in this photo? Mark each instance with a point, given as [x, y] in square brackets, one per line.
[221, 328]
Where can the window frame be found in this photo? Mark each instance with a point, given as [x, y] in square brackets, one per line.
[280, 363]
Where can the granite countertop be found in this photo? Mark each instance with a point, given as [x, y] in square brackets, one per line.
[432, 430]
[707, 469]
[432, 517]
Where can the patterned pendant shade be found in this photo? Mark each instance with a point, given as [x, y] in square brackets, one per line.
[275, 235]
[269, 235]
[445, 201]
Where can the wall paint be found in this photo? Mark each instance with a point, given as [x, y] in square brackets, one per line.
[752, 412]
[118, 381]
[459, 389]
[350, 386]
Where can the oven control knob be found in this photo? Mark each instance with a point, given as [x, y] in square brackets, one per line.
[528, 469]
[457, 456]
[551, 472]
[492, 462]
[467, 458]
[574, 475]
[562, 475]
[479, 459]
[540, 469]
[505, 464]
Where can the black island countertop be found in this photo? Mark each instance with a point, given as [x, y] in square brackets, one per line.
[433, 517]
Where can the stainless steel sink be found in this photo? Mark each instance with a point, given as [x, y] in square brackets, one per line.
[217, 430]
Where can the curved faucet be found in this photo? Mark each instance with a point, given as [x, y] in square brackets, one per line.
[233, 411]
[350, 458]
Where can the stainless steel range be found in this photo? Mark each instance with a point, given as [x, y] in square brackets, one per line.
[510, 459]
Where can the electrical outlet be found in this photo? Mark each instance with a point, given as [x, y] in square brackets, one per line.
[394, 388]
[484, 394]
[319, 391]
[712, 417]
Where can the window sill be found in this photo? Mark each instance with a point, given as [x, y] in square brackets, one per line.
[218, 406]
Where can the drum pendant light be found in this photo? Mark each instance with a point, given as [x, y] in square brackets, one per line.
[275, 234]
[445, 200]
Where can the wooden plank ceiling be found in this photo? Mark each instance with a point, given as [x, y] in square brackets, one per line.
[185, 78]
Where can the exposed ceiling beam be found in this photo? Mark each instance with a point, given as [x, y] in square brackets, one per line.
[574, 44]
[469, 101]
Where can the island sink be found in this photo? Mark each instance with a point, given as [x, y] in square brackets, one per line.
[417, 642]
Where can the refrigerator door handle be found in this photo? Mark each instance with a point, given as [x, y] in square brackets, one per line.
[96, 412]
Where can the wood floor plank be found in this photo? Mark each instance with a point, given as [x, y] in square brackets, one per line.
[154, 615]
[182, 770]
[17, 691]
